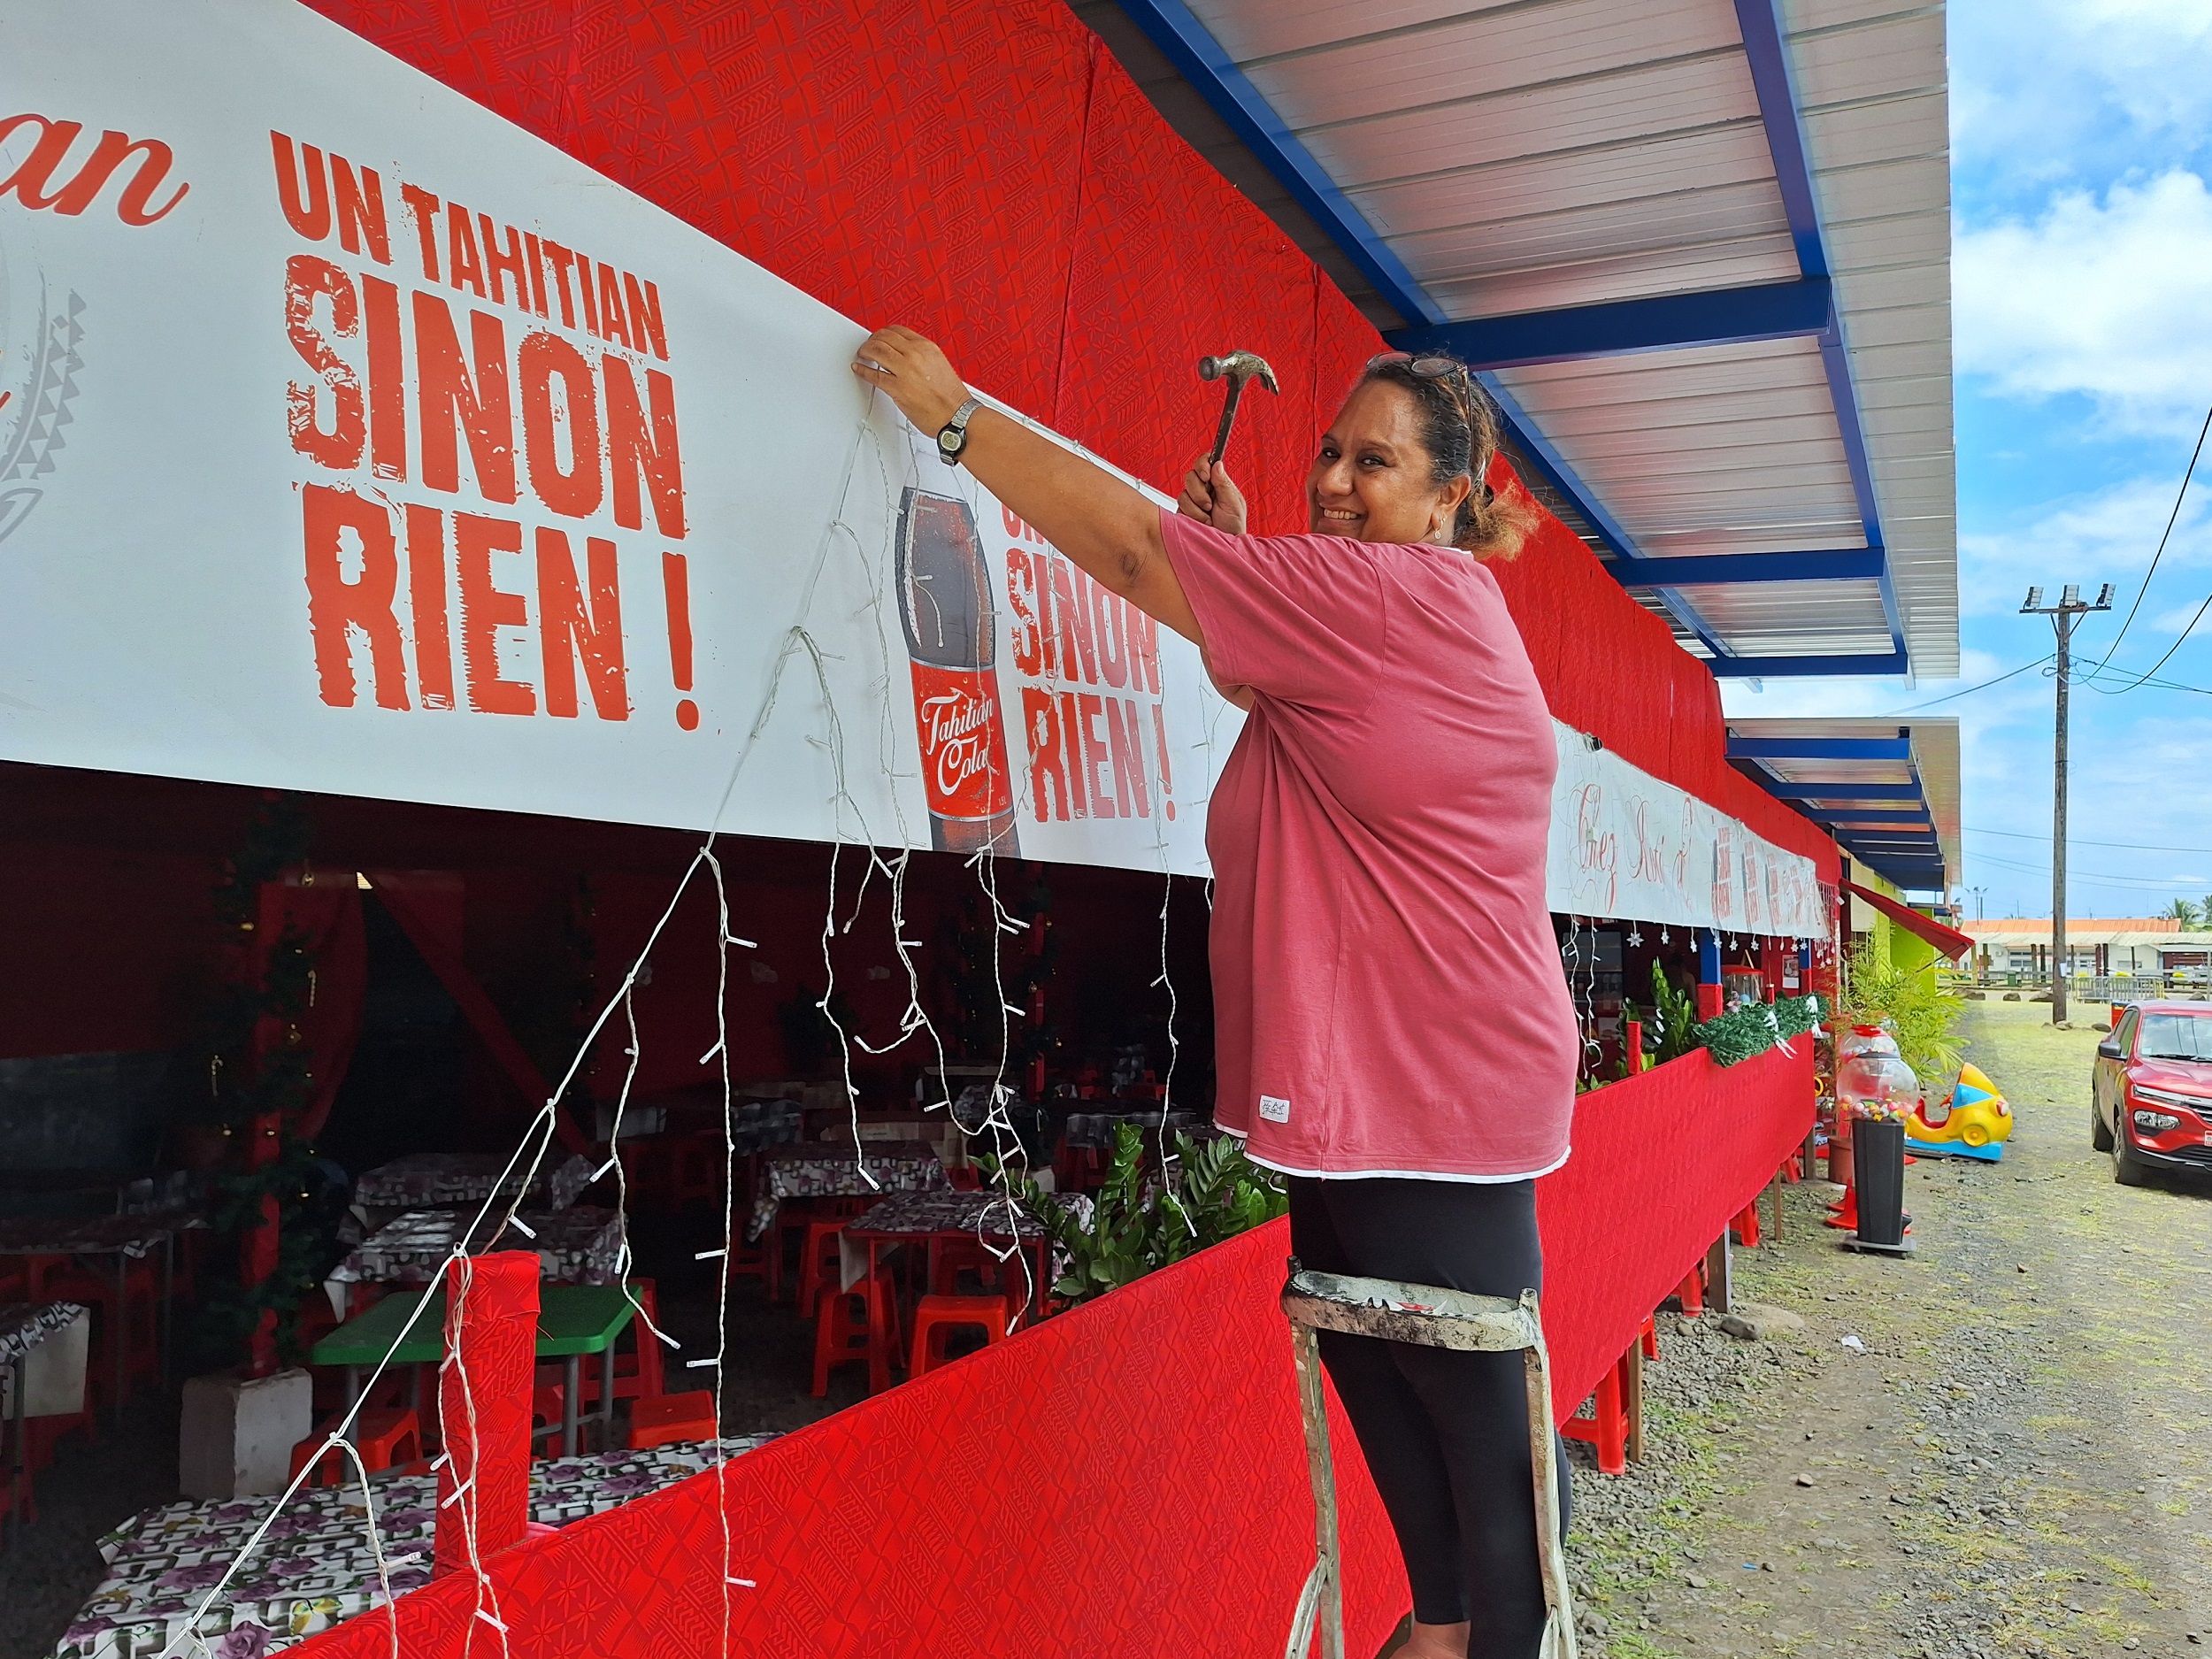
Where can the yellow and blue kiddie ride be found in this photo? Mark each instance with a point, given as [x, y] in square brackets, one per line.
[1972, 1121]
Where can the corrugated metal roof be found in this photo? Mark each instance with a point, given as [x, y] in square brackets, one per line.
[1530, 156]
[1892, 804]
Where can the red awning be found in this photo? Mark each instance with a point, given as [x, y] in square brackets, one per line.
[1948, 941]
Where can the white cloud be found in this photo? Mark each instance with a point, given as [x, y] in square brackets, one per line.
[2107, 298]
[2056, 90]
[2110, 533]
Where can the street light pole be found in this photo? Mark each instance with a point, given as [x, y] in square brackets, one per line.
[2068, 611]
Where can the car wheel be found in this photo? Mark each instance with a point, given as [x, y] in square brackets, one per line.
[2127, 1168]
[2100, 1131]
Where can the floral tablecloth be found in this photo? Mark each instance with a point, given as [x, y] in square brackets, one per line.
[581, 1245]
[423, 1179]
[315, 1566]
[25, 1325]
[134, 1236]
[833, 1168]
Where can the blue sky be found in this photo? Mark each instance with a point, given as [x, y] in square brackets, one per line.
[2081, 141]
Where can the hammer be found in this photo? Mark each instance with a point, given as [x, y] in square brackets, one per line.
[1236, 368]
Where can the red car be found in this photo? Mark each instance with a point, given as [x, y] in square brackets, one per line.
[2151, 1092]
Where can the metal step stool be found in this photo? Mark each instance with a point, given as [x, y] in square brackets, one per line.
[1428, 1318]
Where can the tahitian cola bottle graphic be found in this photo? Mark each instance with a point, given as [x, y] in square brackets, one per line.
[952, 637]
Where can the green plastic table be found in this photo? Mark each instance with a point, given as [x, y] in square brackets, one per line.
[573, 1320]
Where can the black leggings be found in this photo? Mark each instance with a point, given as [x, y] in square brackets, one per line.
[1445, 1433]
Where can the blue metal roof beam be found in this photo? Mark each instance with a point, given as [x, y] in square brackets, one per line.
[1783, 667]
[1668, 322]
[1819, 748]
[1770, 79]
[1846, 565]
[1849, 817]
[1845, 791]
[1201, 61]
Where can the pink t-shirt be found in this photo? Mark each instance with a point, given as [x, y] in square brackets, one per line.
[1387, 992]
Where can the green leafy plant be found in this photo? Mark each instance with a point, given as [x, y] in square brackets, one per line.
[1919, 1012]
[1673, 1018]
[1135, 1224]
[2184, 914]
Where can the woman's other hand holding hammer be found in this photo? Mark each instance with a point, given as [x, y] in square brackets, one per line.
[1211, 496]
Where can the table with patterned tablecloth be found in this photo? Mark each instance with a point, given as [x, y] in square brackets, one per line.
[978, 1214]
[581, 1245]
[422, 1180]
[25, 1325]
[315, 1566]
[134, 1236]
[826, 1169]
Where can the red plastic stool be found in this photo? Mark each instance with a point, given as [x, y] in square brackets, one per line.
[1746, 1225]
[666, 1418]
[378, 1436]
[137, 1323]
[1608, 1427]
[842, 1335]
[821, 1263]
[1692, 1290]
[548, 1404]
[1651, 1337]
[938, 1316]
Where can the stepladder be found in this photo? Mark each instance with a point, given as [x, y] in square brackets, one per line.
[1428, 1318]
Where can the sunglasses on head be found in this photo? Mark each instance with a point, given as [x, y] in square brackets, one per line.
[1454, 375]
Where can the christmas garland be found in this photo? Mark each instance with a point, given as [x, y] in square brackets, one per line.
[243, 1087]
[1746, 1032]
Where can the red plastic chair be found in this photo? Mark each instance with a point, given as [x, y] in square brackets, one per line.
[937, 1316]
[663, 1419]
[137, 1324]
[821, 1263]
[844, 1333]
[381, 1436]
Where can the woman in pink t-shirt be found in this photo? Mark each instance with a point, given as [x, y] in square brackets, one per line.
[1393, 1032]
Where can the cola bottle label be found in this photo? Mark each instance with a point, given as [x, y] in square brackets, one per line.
[951, 628]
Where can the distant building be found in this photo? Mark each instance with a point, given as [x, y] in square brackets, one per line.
[2141, 946]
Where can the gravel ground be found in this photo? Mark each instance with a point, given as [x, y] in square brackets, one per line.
[2015, 1463]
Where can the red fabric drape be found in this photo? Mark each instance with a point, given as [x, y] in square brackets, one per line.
[426, 904]
[1948, 940]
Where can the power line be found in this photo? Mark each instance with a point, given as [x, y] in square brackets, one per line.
[2075, 840]
[2171, 518]
[1968, 692]
[2154, 884]
[2143, 679]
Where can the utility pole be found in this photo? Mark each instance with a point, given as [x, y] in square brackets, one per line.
[2068, 611]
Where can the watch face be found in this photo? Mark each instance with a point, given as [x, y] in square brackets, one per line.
[952, 441]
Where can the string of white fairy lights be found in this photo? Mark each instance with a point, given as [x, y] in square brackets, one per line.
[998, 1235]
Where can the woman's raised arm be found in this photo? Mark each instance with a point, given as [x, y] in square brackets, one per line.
[1101, 523]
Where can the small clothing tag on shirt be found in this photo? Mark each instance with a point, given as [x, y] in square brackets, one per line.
[1274, 1108]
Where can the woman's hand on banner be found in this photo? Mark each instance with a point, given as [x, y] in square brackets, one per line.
[914, 373]
[1211, 496]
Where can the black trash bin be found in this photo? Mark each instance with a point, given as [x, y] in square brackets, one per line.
[1877, 1169]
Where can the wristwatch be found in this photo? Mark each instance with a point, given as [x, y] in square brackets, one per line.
[952, 438]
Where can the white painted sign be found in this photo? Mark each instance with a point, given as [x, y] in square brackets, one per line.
[1624, 844]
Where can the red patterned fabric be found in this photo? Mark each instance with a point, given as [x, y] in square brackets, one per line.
[1660, 1162]
[1126, 1478]
[484, 1389]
